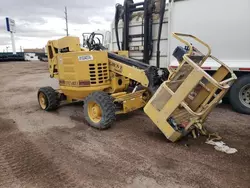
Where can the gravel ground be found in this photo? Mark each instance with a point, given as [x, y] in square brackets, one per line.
[57, 149]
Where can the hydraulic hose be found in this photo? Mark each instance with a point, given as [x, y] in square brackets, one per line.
[127, 61]
[118, 15]
[162, 11]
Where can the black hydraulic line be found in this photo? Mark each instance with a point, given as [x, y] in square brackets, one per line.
[127, 61]
[118, 16]
[146, 27]
[90, 40]
[162, 12]
[150, 29]
[148, 36]
[126, 18]
[142, 26]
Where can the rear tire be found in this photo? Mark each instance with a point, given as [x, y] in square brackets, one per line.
[48, 98]
[240, 95]
[99, 110]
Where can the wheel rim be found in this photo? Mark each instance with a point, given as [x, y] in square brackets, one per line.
[244, 95]
[42, 100]
[95, 112]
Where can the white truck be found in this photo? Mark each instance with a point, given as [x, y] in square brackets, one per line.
[223, 24]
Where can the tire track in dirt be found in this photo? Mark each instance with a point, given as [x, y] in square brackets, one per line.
[119, 166]
[7, 179]
[26, 162]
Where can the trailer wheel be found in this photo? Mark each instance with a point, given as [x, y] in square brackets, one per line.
[99, 110]
[240, 95]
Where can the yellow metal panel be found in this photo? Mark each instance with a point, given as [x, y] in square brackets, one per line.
[129, 96]
[118, 83]
[219, 75]
[182, 92]
[72, 43]
[159, 117]
[162, 124]
[81, 67]
[83, 72]
[80, 92]
[69, 68]
[122, 53]
[130, 101]
[129, 71]
[212, 105]
[70, 76]
[133, 104]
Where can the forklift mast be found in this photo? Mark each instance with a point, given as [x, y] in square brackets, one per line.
[147, 8]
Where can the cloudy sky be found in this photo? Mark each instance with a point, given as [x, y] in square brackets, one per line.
[38, 21]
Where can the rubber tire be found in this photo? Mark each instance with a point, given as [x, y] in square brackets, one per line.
[234, 95]
[107, 106]
[51, 98]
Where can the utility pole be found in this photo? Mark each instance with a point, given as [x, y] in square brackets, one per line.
[66, 20]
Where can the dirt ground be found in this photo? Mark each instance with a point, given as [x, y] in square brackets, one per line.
[57, 149]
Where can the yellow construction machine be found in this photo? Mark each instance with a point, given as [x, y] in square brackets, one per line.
[110, 83]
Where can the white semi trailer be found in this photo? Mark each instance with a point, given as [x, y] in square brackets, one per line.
[223, 24]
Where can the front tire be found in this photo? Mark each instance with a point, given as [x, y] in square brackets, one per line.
[240, 95]
[48, 98]
[99, 110]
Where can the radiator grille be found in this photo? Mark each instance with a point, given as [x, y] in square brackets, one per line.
[99, 73]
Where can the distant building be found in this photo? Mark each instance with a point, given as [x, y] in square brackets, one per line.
[31, 54]
[34, 50]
